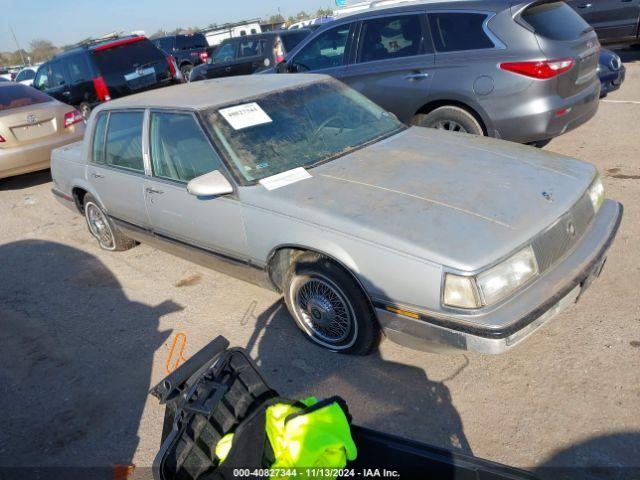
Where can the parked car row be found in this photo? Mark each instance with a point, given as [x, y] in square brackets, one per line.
[249, 54]
[188, 50]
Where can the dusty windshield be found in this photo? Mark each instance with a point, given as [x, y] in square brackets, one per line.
[298, 127]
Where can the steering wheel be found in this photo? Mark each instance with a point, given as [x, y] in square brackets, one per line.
[324, 124]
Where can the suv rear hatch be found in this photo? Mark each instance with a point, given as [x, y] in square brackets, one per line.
[562, 34]
[132, 65]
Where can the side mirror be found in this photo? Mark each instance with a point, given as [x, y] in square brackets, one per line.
[210, 184]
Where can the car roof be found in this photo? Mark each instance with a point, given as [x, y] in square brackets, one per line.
[364, 9]
[271, 33]
[88, 47]
[211, 93]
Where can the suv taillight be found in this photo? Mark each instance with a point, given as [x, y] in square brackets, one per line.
[173, 68]
[71, 118]
[101, 89]
[542, 70]
[2, 140]
[204, 56]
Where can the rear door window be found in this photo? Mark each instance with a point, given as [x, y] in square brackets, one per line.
[250, 48]
[454, 32]
[327, 50]
[556, 21]
[18, 95]
[187, 42]
[123, 147]
[179, 149]
[225, 52]
[164, 44]
[390, 37]
[79, 70]
[58, 74]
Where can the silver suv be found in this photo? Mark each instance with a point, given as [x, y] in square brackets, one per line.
[521, 71]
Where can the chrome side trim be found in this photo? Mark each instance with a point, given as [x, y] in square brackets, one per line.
[227, 265]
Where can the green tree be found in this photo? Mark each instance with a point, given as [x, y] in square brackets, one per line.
[324, 12]
[41, 50]
[302, 15]
[158, 33]
[277, 18]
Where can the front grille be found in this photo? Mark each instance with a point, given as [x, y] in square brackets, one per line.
[555, 242]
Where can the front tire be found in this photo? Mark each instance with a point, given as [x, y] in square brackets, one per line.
[449, 118]
[329, 307]
[102, 228]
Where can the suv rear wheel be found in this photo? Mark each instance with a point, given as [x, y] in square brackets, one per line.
[329, 306]
[186, 71]
[450, 118]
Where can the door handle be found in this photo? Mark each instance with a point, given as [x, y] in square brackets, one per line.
[587, 5]
[97, 175]
[154, 191]
[228, 69]
[415, 76]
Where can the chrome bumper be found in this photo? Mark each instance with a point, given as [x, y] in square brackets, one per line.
[505, 326]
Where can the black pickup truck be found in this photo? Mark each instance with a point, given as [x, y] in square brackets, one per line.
[615, 21]
[189, 50]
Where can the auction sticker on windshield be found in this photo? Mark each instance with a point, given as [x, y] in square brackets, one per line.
[245, 116]
[285, 178]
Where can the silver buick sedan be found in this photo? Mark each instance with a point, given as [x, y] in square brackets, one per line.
[440, 240]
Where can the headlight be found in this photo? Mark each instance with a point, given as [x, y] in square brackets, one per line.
[596, 194]
[493, 285]
[506, 277]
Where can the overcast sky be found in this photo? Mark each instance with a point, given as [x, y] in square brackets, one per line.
[68, 21]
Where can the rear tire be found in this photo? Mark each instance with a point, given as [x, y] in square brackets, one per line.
[450, 118]
[85, 109]
[109, 237]
[186, 71]
[329, 307]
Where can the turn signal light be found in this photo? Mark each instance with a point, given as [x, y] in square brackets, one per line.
[71, 118]
[542, 70]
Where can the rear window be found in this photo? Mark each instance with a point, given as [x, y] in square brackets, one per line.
[453, 32]
[165, 44]
[17, 95]
[556, 21]
[291, 40]
[127, 58]
[186, 42]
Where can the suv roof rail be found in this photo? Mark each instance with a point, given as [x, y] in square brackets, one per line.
[92, 41]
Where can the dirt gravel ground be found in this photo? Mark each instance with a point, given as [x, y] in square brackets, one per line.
[85, 333]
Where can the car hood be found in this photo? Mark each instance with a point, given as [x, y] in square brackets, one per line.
[455, 199]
